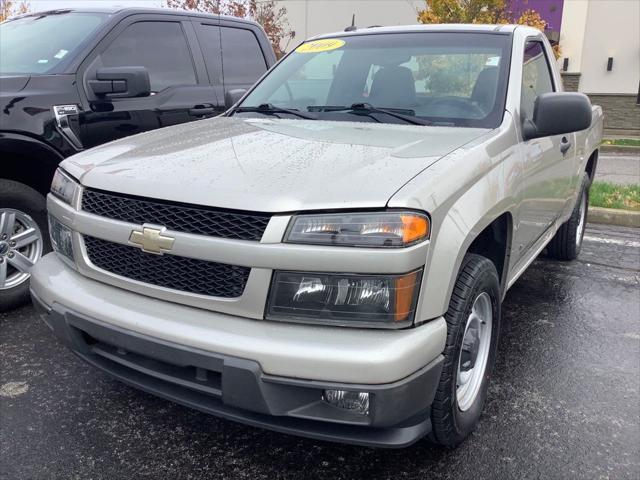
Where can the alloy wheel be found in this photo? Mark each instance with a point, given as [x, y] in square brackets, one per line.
[21, 245]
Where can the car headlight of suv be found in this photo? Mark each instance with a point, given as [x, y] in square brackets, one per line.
[381, 301]
[362, 229]
[64, 186]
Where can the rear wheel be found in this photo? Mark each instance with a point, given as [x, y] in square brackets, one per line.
[473, 325]
[567, 242]
[23, 240]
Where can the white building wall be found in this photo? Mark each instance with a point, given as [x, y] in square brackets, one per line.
[313, 17]
[612, 30]
[572, 32]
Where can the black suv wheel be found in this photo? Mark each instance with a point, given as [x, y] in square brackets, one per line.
[23, 240]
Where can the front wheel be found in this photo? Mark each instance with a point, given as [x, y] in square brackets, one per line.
[473, 325]
[23, 240]
[567, 242]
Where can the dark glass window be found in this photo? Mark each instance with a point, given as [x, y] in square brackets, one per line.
[209, 36]
[161, 47]
[43, 43]
[242, 59]
[536, 76]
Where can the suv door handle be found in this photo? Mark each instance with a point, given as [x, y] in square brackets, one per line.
[565, 145]
[199, 110]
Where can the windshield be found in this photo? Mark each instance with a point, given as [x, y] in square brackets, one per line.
[454, 79]
[41, 44]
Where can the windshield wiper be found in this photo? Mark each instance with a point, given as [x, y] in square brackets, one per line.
[366, 109]
[269, 109]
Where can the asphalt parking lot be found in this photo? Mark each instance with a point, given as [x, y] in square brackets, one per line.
[564, 402]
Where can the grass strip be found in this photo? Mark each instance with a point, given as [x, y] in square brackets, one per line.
[611, 195]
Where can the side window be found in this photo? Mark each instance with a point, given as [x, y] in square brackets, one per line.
[536, 77]
[242, 59]
[161, 47]
[209, 36]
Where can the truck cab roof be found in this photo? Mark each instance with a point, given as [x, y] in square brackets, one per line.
[444, 27]
[120, 11]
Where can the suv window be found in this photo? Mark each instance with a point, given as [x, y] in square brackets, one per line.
[42, 43]
[242, 59]
[161, 47]
[209, 36]
[536, 76]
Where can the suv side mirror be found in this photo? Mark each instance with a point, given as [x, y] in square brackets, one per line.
[231, 97]
[121, 82]
[557, 113]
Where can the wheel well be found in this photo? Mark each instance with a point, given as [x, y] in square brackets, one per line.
[591, 165]
[494, 243]
[35, 172]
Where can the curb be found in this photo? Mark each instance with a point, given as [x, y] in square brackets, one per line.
[612, 216]
[620, 149]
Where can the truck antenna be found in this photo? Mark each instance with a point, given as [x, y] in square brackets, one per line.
[352, 27]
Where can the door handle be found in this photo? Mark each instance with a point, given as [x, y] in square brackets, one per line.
[199, 110]
[565, 145]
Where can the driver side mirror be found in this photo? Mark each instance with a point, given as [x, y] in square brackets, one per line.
[121, 82]
[231, 97]
[557, 113]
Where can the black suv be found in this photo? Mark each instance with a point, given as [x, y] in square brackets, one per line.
[73, 79]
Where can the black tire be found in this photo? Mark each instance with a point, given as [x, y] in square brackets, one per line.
[451, 425]
[17, 196]
[567, 242]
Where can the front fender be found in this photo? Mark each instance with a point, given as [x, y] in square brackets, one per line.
[27, 160]
[463, 192]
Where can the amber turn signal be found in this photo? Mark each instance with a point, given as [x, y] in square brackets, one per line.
[405, 287]
[414, 228]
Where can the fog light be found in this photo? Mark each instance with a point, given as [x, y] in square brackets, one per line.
[357, 402]
[61, 239]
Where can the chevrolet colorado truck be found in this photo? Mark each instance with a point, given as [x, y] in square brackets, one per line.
[72, 79]
[328, 259]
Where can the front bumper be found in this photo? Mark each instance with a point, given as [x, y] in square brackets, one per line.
[121, 333]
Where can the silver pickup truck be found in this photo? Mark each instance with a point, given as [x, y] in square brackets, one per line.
[329, 257]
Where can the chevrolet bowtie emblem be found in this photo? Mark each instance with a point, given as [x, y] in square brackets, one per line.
[152, 240]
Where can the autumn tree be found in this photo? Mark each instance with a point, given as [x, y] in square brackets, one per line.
[9, 8]
[534, 19]
[479, 11]
[462, 11]
[271, 16]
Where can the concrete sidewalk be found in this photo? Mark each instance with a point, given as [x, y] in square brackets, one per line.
[620, 169]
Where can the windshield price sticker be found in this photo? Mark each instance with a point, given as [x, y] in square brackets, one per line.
[320, 45]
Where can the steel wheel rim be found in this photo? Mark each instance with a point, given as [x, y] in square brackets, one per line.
[474, 354]
[21, 246]
[582, 220]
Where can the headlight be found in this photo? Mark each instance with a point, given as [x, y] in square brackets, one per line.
[61, 238]
[384, 301]
[64, 187]
[384, 229]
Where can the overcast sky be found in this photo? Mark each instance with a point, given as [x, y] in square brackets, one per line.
[38, 5]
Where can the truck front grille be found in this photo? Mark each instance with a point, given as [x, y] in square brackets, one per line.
[233, 224]
[178, 273]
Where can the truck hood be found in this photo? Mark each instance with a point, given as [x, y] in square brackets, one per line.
[269, 165]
